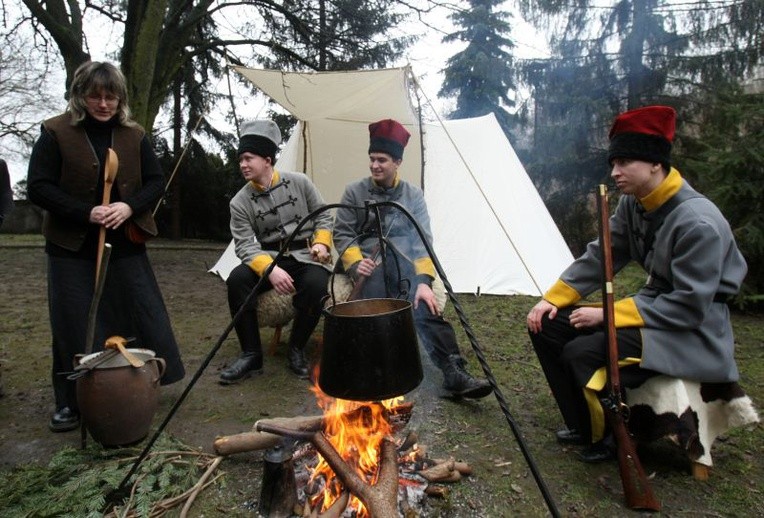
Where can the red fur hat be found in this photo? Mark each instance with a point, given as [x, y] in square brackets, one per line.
[388, 136]
[643, 134]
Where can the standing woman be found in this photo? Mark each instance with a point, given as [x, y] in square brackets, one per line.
[66, 178]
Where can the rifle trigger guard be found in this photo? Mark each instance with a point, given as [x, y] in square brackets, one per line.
[624, 410]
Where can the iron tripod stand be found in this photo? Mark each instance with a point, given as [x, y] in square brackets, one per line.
[115, 496]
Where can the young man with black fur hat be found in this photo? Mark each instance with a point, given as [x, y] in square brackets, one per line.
[678, 323]
[387, 141]
[264, 213]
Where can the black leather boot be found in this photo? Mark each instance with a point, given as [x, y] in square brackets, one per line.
[460, 383]
[297, 362]
[242, 368]
[302, 327]
[251, 358]
[64, 420]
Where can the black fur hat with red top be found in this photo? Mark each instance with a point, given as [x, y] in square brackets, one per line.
[388, 136]
[643, 134]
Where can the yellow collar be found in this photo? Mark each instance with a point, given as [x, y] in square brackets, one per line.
[665, 191]
[396, 180]
[274, 181]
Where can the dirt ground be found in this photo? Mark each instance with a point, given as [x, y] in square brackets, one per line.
[476, 432]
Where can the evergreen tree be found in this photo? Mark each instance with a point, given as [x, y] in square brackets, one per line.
[724, 157]
[480, 77]
[630, 53]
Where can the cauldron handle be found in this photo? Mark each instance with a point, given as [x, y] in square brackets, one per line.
[161, 364]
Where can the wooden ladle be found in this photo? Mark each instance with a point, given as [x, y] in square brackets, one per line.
[118, 342]
[109, 174]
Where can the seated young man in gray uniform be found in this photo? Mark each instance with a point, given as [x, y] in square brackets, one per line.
[264, 213]
[387, 140]
[678, 323]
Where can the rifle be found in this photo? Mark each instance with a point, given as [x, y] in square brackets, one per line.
[636, 487]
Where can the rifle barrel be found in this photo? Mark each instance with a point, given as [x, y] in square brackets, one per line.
[636, 486]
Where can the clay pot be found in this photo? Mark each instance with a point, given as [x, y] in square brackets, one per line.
[118, 401]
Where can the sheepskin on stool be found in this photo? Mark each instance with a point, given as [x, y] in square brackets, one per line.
[275, 310]
[690, 413]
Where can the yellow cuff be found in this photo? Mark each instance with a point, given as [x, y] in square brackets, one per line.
[562, 295]
[260, 263]
[424, 266]
[323, 237]
[351, 256]
[627, 314]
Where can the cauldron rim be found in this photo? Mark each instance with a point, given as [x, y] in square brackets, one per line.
[401, 304]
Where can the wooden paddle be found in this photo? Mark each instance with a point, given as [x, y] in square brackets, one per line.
[109, 174]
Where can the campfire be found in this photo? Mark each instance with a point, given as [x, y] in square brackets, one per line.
[356, 460]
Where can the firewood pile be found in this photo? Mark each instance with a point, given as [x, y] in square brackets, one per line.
[406, 474]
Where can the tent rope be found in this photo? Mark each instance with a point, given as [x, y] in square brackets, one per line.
[177, 164]
[477, 184]
[230, 94]
[421, 137]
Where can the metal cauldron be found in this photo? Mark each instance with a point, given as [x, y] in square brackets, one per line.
[370, 350]
[118, 401]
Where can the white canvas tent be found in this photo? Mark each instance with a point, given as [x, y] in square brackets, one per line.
[491, 230]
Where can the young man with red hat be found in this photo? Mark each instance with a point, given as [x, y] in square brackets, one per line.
[355, 238]
[264, 213]
[678, 323]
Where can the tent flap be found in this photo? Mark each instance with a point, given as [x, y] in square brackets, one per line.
[492, 233]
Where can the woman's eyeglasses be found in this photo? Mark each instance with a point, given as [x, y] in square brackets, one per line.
[98, 99]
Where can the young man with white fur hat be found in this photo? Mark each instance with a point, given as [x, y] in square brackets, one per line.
[264, 213]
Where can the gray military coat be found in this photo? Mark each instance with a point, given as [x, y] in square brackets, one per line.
[693, 266]
[268, 217]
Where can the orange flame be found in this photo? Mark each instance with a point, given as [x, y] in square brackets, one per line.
[356, 430]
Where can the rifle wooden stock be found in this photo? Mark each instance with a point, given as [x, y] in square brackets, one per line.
[636, 486]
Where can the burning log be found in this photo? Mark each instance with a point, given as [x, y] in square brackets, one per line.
[260, 440]
[335, 510]
[381, 498]
[409, 442]
[256, 440]
[436, 491]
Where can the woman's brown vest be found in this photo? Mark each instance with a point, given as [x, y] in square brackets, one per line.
[80, 171]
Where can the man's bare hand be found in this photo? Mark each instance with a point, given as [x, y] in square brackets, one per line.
[281, 281]
[425, 294]
[366, 267]
[537, 312]
[320, 253]
[584, 317]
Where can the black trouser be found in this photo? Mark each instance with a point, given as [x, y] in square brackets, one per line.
[310, 282]
[570, 357]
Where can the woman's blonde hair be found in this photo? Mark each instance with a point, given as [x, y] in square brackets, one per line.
[95, 77]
